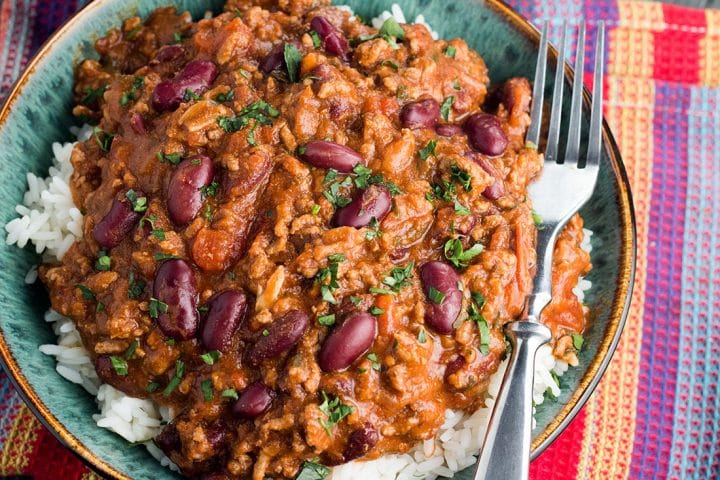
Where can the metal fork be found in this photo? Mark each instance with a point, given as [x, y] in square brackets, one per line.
[563, 187]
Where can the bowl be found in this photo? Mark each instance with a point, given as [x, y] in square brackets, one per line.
[37, 113]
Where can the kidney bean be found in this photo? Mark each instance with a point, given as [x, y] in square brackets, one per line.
[360, 442]
[169, 52]
[168, 440]
[281, 336]
[448, 129]
[486, 134]
[323, 154]
[420, 114]
[332, 39]
[347, 342]
[118, 222]
[227, 310]
[254, 401]
[497, 189]
[138, 124]
[107, 373]
[441, 276]
[197, 76]
[185, 197]
[454, 365]
[217, 436]
[373, 202]
[175, 286]
[274, 60]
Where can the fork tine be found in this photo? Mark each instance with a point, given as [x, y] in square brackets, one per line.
[533, 134]
[572, 150]
[594, 141]
[556, 115]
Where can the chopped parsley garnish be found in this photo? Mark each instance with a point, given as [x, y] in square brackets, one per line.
[537, 219]
[127, 97]
[446, 106]
[428, 150]
[373, 230]
[173, 158]
[86, 292]
[461, 176]
[422, 337]
[444, 191]
[152, 387]
[131, 350]
[391, 64]
[365, 177]
[225, 97]
[175, 381]
[251, 135]
[210, 357]
[355, 300]
[335, 410]
[120, 365]
[456, 85]
[312, 471]
[265, 332]
[436, 296]
[92, 95]
[382, 291]
[374, 361]
[206, 387]
[398, 278]
[461, 209]
[450, 51]
[327, 277]
[99, 307]
[391, 31]
[103, 262]
[293, 57]
[315, 209]
[260, 111]
[156, 307]
[474, 314]
[229, 393]
[317, 43]
[190, 95]
[135, 287]
[178, 37]
[209, 190]
[377, 311]
[208, 212]
[139, 204]
[104, 139]
[327, 320]
[332, 194]
[170, 342]
[458, 256]
[165, 256]
[577, 341]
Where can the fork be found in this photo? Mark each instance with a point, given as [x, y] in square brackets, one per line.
[562, 188]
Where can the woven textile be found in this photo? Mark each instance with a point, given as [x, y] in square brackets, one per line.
[656, 413]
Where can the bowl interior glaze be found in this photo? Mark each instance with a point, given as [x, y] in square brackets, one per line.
[37, 113]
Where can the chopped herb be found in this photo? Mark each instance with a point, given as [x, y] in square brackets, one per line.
[436, 296]
[245, 74]
[225, 97]
[475, 315]
[207, 389]
[361, 370]
[332, 194]
[422, 338]
[382, 291]
[209, 190]
[127, 97]
[355, 300]
[131, 350]
[461, 176]
[178, 37]
[158, 233]
[317, 43]
[152, 386]
[210, 357]
[312, 471]
[232, 275]
[537, 219]
[450, 51]
[195, 162]
[374, 361]
[260, 111]
[208, 212]
[577, 341]
[456, 85]
[457, 255]
[251, 135]
[327, 320]
[156, 307]
[364, 178]
[165, 256]
[99, 307]
[391, 31]
[103, 262]
[120, 365]
[335, 410]
[203, 309]
[229, 393]
[265, 332]
[391, 64]
[484, 336]
[92, 95]
[103, 138]
[478, 298]
[170, 342]
[139, 204]
[401, 93]
[175, 381]
[461, 209]
[86, 292]
[398, 278]
[131, 34]
[190, 95]
[293, 57]
[315, 209]
[135, 287]
[173, 158]
[445, 108]
[428, 150]
[330, 176]
[373, 230]
[376, 311]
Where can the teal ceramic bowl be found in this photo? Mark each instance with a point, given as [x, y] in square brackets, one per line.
[37, 113]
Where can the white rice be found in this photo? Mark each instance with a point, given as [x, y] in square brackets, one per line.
[50, 221]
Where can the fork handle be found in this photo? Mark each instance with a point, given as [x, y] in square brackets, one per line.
[505, 454]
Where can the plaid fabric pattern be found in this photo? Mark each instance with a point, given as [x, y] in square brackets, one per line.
[656, 414]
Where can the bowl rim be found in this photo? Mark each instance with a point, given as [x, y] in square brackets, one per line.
[589, 381]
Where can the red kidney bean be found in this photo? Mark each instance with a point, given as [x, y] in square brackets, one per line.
[454, 365]
[217, 436]
[324, 154]
[486, 134]
[360, 442]
[497, 189]
[118, 222]
[138, 124]
[168, 440]
[126, 383]
[332, 39]
[347, 342]
[185, 197]
[420, 114]
[448, 129]
[274, 60]
[281, 336]
[197, 76]
[441, 276]
[254, 401]
[373, 202]
[169, 52]
[226, 311]
[175, 286]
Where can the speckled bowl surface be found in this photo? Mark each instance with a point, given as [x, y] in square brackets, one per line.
[37, 113]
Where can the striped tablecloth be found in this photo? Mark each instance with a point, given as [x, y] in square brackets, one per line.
[656, 414]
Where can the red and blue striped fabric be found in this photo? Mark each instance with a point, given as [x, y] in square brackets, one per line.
[656, 414]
